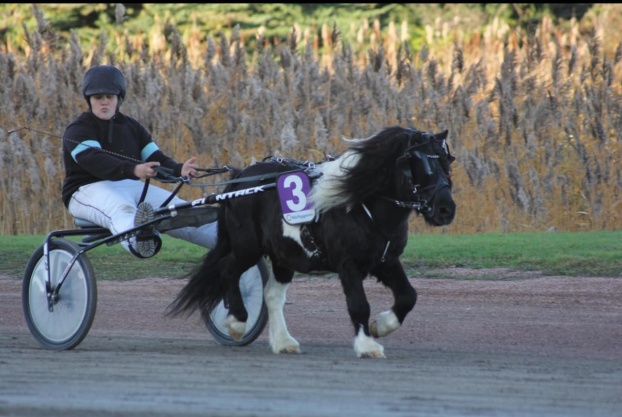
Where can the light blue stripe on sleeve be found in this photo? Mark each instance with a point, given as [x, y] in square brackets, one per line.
[83, 146]
[148, 151]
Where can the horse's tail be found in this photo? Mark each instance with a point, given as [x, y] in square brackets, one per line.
[205, 287]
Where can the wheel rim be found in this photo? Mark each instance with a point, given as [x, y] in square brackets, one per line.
[251, 287]
[65, 320]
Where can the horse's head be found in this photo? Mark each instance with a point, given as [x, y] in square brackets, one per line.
[405, 166]
[425, 174]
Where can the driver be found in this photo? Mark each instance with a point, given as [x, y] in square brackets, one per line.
[106, 155]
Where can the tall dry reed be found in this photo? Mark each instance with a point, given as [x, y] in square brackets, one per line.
[535, 118]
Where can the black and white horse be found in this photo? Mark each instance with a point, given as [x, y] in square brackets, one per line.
[350, 218]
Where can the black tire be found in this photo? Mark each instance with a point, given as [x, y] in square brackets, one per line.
[71, 318]
[252, 293]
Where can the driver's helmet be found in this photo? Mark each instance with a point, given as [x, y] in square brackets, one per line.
[103, 79]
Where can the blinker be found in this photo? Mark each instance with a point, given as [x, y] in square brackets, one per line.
[426, 163]
[404, 165]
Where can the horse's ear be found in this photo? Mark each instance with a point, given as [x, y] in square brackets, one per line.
[442, 135]
[442, 138]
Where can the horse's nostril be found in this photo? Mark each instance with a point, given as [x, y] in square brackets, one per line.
[446, 212]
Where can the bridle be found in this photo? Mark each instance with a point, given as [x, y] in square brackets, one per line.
[403, 163]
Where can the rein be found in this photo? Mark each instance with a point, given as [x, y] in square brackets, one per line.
[167, 177]
[75, 141]
[165, 173]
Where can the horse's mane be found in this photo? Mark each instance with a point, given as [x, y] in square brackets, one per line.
[365, 169]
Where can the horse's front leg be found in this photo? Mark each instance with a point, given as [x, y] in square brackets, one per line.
[392, 275]
[275, 295]
[358, 308]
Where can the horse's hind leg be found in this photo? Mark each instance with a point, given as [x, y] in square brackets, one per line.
[232, 270]
[405, 296]
[275, 294]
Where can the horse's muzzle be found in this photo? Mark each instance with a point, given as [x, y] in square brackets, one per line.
[442, 210]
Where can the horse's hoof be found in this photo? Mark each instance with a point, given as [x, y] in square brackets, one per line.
[373, 329]
[374, 354]
[237, 336]
[290, 349]
[366, 347]
[283, 343]
[385, 323]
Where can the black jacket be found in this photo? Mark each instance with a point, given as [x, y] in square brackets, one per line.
[96, 150]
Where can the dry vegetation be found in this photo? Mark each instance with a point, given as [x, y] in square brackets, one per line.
[535, 119]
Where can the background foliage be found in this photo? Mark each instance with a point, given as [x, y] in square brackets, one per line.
[532, 100]
[274, 20]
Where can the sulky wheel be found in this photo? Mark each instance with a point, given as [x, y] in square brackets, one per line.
[61, 320]
[251, 286]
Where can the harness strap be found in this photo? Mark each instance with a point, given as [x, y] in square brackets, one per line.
[144, 193]
[173, 194]
[386, 248]
[260, 177]
[307, 239]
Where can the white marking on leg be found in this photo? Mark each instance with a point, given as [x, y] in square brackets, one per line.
[280, 339]
[236, 328]
[385, 323]
[366, 347]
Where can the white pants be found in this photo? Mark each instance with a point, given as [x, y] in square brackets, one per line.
[112, 204]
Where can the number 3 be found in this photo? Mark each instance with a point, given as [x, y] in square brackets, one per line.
[299, 201]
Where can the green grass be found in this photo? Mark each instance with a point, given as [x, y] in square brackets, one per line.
[556, 253]
[176, 258]
[552, 253]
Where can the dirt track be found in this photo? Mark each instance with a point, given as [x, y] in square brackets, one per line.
[523, 346]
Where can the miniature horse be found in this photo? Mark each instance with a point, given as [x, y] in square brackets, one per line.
[355, 223]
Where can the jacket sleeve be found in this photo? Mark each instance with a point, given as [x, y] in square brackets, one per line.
[151, 152]
[90, 156]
